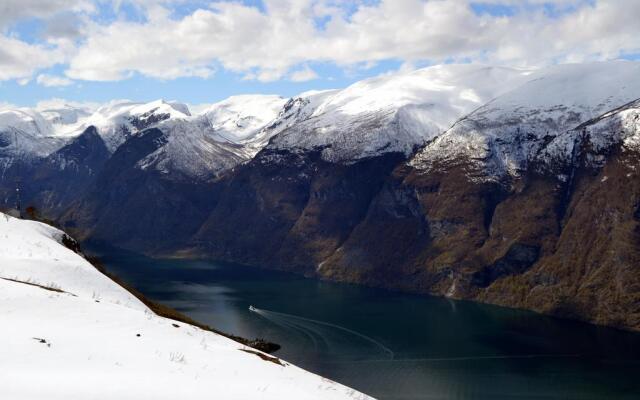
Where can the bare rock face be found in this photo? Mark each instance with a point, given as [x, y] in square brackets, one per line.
[562, 239]
[290, 210]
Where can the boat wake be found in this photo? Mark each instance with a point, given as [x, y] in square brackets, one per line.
[323, 335]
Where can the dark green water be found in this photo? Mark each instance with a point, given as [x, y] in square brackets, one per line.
[396, 346]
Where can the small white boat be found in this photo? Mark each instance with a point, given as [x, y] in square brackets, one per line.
[252, 308]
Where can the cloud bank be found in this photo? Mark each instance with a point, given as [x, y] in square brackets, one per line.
[271, 40]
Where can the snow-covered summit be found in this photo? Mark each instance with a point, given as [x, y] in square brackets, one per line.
[64, 114]
[117, 120]
[393, 113]
[70, 332]
[502, 137]
[41, 132]
[25, 133]
[239, 118]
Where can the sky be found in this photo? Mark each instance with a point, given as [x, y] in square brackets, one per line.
[197, 51]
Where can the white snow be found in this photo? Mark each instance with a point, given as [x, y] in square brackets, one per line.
[239, 118]
[194, 149]
[117, 120]
[393, 113]
[33, 132]
[82, 343]
[502, 137]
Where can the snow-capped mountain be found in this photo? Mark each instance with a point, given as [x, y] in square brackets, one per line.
[24, 133]
[198, 146]
[216, 140]
[392, 113]
[71, 332]
[505, 135]
[117, 121]
[41, 132]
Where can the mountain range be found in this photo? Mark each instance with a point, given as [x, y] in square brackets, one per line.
[516, 187]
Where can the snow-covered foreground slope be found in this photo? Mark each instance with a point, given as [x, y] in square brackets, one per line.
[392, 113]
[68, 332]
[535, 122]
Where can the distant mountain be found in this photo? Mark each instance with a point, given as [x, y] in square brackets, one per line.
[164, 177]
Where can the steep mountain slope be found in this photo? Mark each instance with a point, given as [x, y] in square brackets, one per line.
[71, 332]
[329, 154]
[518, 205]
[142, 202]
[158, 187]
[55, 153]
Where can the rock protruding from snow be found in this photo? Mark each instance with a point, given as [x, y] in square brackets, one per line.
[503, 137]
[591, 142]
[70, 332]
[392, 113]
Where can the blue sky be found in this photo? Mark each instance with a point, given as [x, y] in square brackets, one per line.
[198, 52]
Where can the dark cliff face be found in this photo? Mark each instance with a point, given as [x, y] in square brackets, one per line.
[290, 210]
[139, 209]
[63, 175]
[568, 248]
[50, 184]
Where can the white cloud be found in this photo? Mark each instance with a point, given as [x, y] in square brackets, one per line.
[19, 60]
[6, 106]
[52, 80]
[267, 46]
[279, 41]
[303, 75]
[12, 11]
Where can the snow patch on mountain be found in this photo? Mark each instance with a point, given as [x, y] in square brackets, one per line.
[70, 332]
[393, 113]
[64, 115]
[26, 135]
[239, 118]
[594, 139]
[504, 136]
[193, 149]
